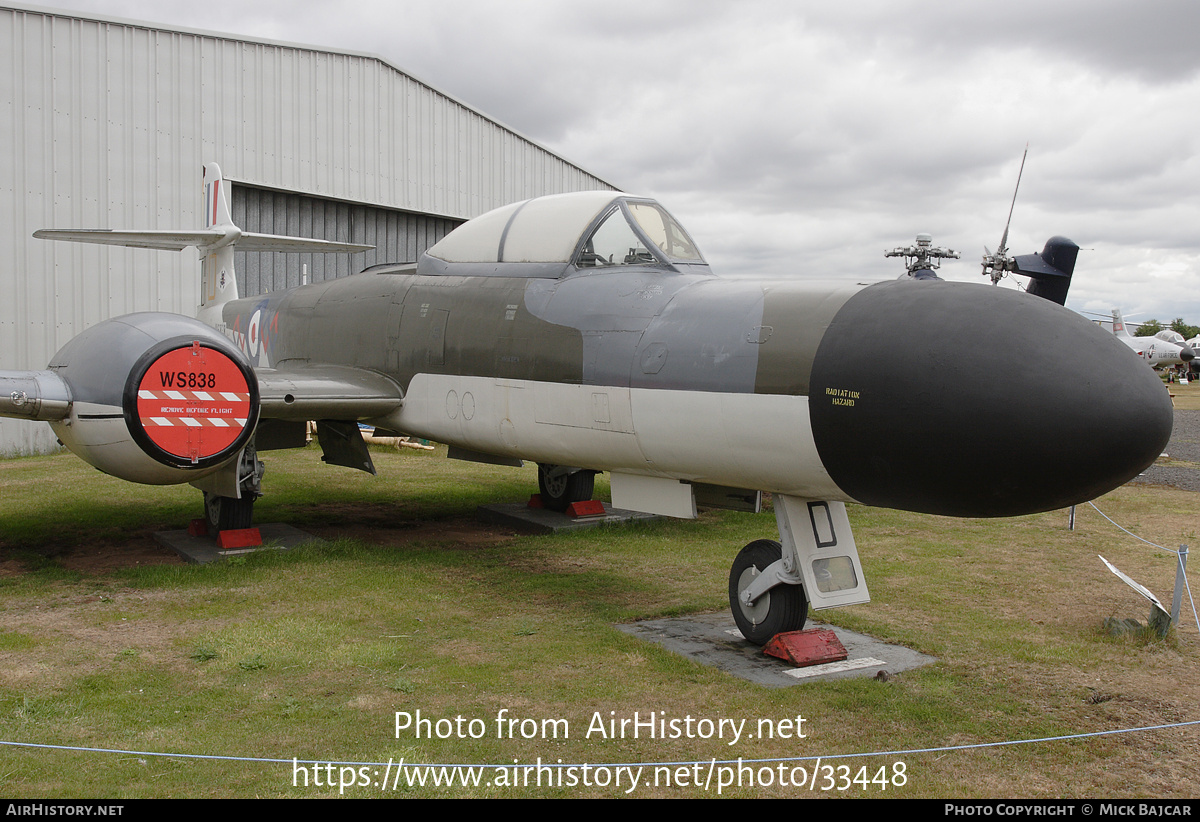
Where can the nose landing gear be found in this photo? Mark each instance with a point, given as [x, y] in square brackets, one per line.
[772, 583]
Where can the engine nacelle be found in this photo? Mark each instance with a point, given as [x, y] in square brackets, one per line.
[156, 398]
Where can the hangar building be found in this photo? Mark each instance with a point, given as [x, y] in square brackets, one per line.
[107, 123]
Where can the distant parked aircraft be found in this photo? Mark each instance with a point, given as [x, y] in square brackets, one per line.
[1158, 350]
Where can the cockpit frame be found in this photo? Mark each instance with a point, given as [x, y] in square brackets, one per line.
[527, 239]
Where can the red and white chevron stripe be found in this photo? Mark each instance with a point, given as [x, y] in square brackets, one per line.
[183, 396]
[194, 422]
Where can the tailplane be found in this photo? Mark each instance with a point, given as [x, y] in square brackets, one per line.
[215, 242]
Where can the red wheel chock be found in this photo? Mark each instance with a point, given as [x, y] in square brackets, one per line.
[239, 538]
[587, 508]
[805, 648]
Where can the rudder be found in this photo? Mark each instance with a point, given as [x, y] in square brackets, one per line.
[219, 283]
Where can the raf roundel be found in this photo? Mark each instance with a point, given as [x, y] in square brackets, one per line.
[195, 405]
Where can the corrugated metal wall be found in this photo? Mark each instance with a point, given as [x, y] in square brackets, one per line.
[398, 236]
[107, 123]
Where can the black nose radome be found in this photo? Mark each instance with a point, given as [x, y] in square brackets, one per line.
[991, 403]
[1187, 354]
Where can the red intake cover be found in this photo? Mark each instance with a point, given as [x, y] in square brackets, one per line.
[195, 405]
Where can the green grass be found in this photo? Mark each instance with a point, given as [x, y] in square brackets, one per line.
[1186, 397]
[312, 652]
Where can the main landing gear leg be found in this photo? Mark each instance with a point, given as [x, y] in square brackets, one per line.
[229, 513]
[772, 583]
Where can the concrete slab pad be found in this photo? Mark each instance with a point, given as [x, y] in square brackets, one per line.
[276, 536]
[713, 639]
[542, 521]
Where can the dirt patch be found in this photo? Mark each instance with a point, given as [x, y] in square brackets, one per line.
[372, 524]
[97, 559]
[90, 632]
[460, 534]
[114, 557]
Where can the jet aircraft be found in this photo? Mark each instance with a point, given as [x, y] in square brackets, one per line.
[586, 332]
[1158, 351]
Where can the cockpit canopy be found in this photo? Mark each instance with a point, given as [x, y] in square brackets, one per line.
[555, 235]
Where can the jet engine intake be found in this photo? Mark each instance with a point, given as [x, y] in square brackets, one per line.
[157, 398]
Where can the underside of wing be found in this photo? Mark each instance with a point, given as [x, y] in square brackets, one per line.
[326, 392]
[336, 397]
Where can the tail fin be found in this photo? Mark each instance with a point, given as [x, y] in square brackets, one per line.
[1050, 272]
[216, 204]
[1119, 324]
[215, 241]
[219, 285]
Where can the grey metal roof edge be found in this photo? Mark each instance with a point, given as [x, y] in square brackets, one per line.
[143, 24]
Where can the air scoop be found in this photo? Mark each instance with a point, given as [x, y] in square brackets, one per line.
[992, 403]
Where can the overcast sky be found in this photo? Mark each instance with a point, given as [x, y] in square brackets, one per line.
[802, 139]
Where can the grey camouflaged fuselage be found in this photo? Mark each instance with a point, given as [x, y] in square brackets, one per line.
[634, 327]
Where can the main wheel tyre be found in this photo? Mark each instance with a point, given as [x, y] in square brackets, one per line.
[783, 608]
[560, 490]
[227, 513]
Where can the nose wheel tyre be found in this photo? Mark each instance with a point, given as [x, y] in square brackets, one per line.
[783, 608]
